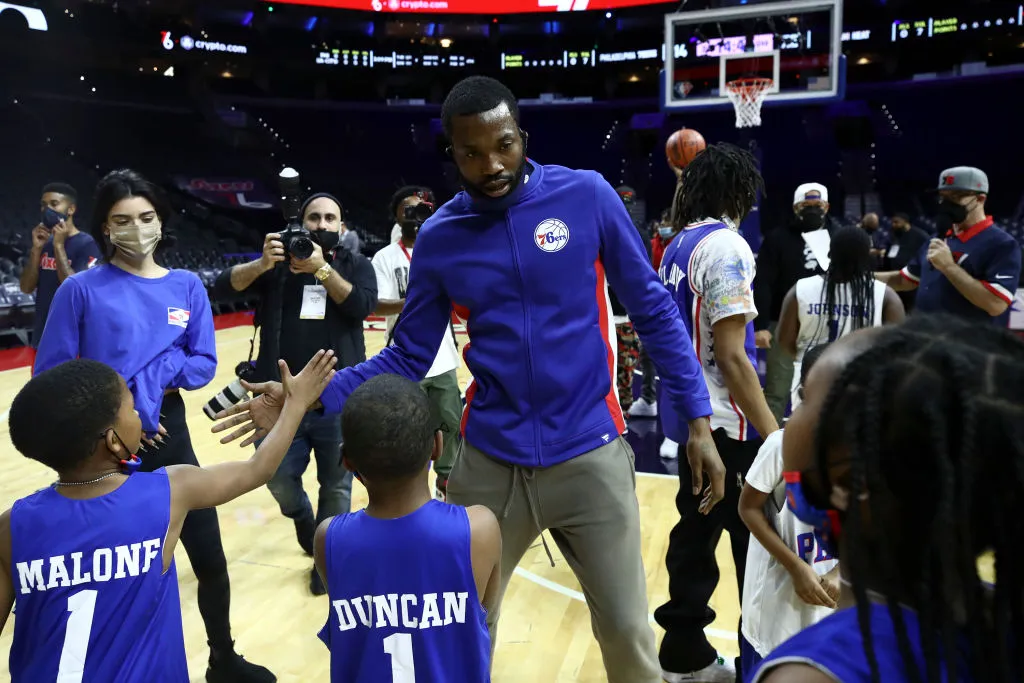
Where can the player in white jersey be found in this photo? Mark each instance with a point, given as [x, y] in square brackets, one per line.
[709, 268]
[821, 309]
[792, 581]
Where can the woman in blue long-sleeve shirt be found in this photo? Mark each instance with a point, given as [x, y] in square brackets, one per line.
[154, 327]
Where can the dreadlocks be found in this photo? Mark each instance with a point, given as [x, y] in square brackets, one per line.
[849, 286]
[723, 180]
[933, 420]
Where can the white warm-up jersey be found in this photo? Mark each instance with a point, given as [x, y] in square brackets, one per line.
[391, 265]
[772, 612]
[709, 269]
[818, 327]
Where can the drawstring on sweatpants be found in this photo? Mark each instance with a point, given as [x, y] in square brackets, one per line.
[526, 476]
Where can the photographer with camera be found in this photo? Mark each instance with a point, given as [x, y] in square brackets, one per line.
[411, 206]
[313, 294]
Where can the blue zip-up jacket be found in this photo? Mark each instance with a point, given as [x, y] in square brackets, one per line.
[529, 274]
[157, 333]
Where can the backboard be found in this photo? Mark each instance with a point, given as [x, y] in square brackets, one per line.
[797, 44]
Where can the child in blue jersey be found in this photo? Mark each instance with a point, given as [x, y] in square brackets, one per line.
[89, 561]
[907, 458]
[410, 578]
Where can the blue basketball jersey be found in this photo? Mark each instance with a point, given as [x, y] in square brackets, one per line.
[835, 647]
[404, 604]
[91, 601]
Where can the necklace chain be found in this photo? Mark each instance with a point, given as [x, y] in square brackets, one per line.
[85, 483]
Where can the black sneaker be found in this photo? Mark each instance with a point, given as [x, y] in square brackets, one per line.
[232, 668]
[316, 584]
[305, 530]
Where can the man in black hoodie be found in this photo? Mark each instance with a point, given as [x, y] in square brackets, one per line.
[783, 259]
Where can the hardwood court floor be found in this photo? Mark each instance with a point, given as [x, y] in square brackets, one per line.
[545, 634]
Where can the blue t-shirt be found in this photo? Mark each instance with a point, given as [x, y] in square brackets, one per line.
[82, 252]
[403, 599]
[988, 254]
[157, 333]
[835, 647]
[92, 600]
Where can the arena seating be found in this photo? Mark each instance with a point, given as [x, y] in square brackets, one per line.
[362, 153]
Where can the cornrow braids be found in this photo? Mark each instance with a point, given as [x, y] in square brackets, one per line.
[723, 180]
[933, 420]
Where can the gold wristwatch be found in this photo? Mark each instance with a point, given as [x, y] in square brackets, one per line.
[323, 272]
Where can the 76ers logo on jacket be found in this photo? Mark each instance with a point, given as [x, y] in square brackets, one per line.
[551, 235]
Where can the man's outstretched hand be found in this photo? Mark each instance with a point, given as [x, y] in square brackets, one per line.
[256, 415]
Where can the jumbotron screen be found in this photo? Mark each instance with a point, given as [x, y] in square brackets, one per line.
[472, 6]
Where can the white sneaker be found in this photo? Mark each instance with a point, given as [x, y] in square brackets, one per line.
[642, 408]
[719, 671]
[669, 449]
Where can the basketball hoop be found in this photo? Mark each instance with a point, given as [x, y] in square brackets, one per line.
[747, 95]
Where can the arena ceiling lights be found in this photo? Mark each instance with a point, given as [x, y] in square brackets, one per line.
[471, 6]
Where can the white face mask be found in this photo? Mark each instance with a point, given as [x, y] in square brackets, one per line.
[136, 242]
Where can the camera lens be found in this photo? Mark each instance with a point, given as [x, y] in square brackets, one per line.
[423, 211]
[300, 247]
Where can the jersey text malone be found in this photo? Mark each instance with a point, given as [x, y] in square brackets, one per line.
[103, 564]
[404, 610]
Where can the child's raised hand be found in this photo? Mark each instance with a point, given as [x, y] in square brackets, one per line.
[305, 388]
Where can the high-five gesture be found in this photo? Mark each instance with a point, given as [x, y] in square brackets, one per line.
[195, 488]
[305, 388]
[258, 415]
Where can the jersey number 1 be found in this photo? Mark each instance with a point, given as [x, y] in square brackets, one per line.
[399, 646]
[82, 605]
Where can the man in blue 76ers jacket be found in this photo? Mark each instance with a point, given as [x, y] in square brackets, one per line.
[524, 256]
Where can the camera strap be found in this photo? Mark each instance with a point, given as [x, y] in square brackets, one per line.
[252, 342]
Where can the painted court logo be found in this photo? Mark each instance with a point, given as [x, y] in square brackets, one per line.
[551, 235]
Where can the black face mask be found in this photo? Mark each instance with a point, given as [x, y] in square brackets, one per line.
[950, 214]
[409, 230]
[327, 239]
[812, 217]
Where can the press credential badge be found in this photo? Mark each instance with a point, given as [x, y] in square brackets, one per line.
[314, 302]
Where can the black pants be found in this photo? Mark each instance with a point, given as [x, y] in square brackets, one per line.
[648, 392]
[692, 567]
[200, 534]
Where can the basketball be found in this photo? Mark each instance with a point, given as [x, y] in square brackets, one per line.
[683, 145]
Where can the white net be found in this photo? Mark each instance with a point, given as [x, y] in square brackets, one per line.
[747, 95]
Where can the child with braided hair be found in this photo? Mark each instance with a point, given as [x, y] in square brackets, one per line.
[908, 457]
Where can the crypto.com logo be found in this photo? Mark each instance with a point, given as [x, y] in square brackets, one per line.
[565, 5]
[34, 16]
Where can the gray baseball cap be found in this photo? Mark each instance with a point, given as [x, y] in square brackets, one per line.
[965, 178]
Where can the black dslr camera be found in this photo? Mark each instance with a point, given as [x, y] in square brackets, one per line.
[296, 239]
[417, 214]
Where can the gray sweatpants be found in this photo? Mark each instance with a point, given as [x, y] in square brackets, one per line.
[589, 506]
